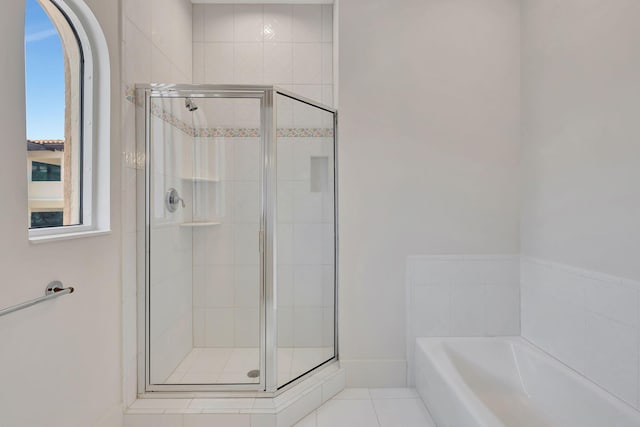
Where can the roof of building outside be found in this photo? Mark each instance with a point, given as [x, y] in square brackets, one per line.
[45, 144]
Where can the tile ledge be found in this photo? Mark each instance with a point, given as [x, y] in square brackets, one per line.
[279, 403]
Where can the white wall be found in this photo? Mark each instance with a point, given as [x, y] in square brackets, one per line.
[60, 361]
[429, 128]
[581, 97]
[580, 193]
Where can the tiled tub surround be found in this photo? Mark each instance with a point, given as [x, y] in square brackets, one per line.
[508, 382]
[459, 295]
[588, 320]
[283, 44]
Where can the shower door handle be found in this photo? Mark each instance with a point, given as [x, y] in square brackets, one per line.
[260, 241]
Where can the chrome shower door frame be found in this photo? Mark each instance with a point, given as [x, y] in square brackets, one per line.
[267, 386]
[272, 386]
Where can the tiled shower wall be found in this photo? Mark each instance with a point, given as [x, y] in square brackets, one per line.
[226, 292]
[226, 259]
[290, 46]
[291, 34]
[305, 250]
[156, 46]
[170, 258]
[282, 44]
[586, 319]
[461, 296]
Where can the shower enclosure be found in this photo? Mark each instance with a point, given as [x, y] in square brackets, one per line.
[240, 238]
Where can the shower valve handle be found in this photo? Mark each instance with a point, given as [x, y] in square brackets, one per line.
[173, 199]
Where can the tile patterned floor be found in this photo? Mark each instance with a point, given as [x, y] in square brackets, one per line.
[361, 407]
[231, 365]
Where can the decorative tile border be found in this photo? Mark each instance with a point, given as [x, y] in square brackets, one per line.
[304, 132]
[255, 133]
[171, 119]
[227, 133]
[130, 94]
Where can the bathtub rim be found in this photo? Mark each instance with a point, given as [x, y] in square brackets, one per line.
[431, 346]
[434, 349]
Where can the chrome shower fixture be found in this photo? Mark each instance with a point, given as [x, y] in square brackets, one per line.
[173, 200]
[190, 105]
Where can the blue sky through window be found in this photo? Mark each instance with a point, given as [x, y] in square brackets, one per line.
[44, 64]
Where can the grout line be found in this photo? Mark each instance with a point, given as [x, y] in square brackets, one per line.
[262, 42]
[315, 417]
[485, 300]
[433, 423]
[375, 411]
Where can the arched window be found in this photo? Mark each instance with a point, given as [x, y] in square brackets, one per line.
[66, 75]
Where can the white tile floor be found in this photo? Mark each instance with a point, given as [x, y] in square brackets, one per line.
[231, 365]
[382, 407]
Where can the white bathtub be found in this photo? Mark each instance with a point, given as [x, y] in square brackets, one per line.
[507, 382]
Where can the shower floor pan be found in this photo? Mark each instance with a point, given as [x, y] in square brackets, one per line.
[228, 365]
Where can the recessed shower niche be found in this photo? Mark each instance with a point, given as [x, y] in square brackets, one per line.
[240, 237]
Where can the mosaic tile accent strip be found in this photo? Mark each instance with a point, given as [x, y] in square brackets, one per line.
[130, 94]
[227, 133]
[255, 133]
[172, 120]
[134, 160]
[167, 117]
[304, 132]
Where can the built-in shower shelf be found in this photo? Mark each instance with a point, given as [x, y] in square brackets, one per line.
[200, 224]
[201, 179]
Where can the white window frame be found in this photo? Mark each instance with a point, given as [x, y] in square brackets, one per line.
[95, 128]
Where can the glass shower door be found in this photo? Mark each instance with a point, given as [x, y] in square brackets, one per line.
[240, 238]
[306, 243]
[204, 217]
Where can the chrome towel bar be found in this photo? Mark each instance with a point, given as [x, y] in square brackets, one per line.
[53, 290]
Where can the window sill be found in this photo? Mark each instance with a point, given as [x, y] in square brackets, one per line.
[68, 236]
